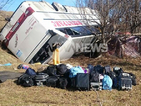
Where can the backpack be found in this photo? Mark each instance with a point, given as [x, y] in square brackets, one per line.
[99, 69]
[117, 70]
[50, 70]
[30, 72]
[94, 76]
[107, 83]
[25, 80]
[61, 69]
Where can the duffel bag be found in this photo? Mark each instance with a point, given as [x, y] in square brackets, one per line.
[61, 69]
[52, 81]
[25, 80]
[30, 72]
[62, 83]
[51, 70]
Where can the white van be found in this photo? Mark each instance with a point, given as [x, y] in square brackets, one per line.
[35, 26]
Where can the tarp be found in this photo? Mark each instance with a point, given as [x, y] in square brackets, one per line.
[4, 75]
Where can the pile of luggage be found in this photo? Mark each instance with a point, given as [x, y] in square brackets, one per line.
[83, 78]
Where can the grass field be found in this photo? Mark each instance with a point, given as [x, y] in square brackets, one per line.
[13, 95]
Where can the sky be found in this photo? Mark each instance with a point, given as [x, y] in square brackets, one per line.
[13, 4]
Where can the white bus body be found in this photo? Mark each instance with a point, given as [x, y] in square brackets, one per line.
[35, 26]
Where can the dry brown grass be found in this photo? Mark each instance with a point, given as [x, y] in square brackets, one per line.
[13, 95]
[3, 15]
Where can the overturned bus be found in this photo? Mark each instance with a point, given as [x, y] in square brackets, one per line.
[35, 26]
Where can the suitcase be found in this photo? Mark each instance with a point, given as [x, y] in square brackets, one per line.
[82, 81]
[52, 81]
[96, 85]
[125, 81]
[40, 79]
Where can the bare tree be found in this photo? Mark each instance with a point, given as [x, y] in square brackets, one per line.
[135, 19]
[106, 13]
[114, 15]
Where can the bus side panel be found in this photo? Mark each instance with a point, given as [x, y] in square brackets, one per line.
[25, 41]
[32, 41]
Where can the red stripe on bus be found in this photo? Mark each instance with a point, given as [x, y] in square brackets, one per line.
[19, 22]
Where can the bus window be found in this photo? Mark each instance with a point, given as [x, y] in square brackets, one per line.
[75, 32]
[82, 30]
[62, 30]
[69, 31]
[79, 30]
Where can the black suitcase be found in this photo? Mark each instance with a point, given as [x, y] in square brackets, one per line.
[52, 81]
[40, 79]
[125, 81]
[82, 81]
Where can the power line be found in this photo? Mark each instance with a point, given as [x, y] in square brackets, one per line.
[11, 4]
[3, 4]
